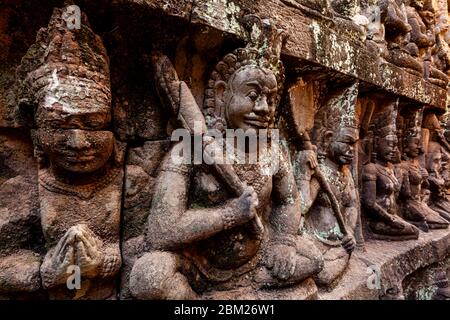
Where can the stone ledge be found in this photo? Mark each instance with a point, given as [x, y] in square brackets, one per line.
[395, 260]
[310, 41]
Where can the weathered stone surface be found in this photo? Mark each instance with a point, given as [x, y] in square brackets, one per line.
[394, 263]
[317, 42]
[91, 121]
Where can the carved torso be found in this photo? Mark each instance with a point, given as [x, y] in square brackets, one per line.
[388, 187]
[232, 248]
[321, 220]
[235, 251]
[413, 171]
[97, 206]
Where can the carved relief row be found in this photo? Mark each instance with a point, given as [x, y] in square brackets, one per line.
[361, 167]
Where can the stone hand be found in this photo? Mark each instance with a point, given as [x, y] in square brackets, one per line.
[55, 266]
[308, 158]
[281, 260]
[307, 163]
[88, 251]
[247, 204]
[348, 243]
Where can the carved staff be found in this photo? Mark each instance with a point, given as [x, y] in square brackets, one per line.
[176, 95]
[293, 117]
[324, 185]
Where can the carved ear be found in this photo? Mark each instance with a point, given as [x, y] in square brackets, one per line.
[219, 98]
[37, 150]
[327, 137]
[119, 152]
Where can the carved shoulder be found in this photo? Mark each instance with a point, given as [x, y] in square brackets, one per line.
[369, 172]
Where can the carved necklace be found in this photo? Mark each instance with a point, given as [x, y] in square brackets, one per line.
[252, 174]
[388, 172]
[84, 192]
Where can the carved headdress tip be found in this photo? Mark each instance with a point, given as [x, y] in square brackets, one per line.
[264, 36]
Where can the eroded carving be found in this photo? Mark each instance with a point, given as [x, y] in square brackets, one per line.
[380, 186]
[204, 238]
[335, 133]
[20, 257]
[421, 17]
[414, 189]
[65, 89]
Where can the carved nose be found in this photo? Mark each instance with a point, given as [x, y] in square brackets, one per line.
[261, 106]
[77, 140]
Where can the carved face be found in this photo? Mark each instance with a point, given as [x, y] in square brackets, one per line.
[413, 146]
[446, 171]
[434, 164]
[342, 146]
[249, 98]
[387, 148]
[76, 142]
[417, 3]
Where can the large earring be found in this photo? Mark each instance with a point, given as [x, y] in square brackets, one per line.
[119, 152]
[37, 150]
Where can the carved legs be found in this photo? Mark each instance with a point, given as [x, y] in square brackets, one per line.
[309, 262]
[19, 272]
[159, 275]
[385, 231]
[335, 263]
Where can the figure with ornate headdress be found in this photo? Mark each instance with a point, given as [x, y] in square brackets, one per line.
[202, 236]
[65, 92]
[435, 161]
[335, 133]
[414, 177]
[438, 193]
[381, 187]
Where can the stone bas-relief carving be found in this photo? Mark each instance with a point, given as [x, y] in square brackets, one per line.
[397, 35]
[66, 89]
[414, 177]
[345, 14]
[20, 258]
[381, 186]
[422, 18]
[353, 185]
[335, 135]
[203, 238]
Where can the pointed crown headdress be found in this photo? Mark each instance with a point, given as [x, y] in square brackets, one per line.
[339, 111]
[385, 122]
[67, 68]
[263, 50]
[413, 123]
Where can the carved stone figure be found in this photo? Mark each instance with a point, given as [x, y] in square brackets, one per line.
[441, 51]
[335, 133]
[205, 238]
[397, 34]
[381, 187]
[421, 17]
[414, 177]
[66, 90]
[20, 257]
[438, 191]
[442, 283]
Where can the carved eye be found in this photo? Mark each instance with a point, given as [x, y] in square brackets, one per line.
[253, 95]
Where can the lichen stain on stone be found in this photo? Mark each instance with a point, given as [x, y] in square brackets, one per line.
[227, 15]
[426, 293]
[335, 53]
